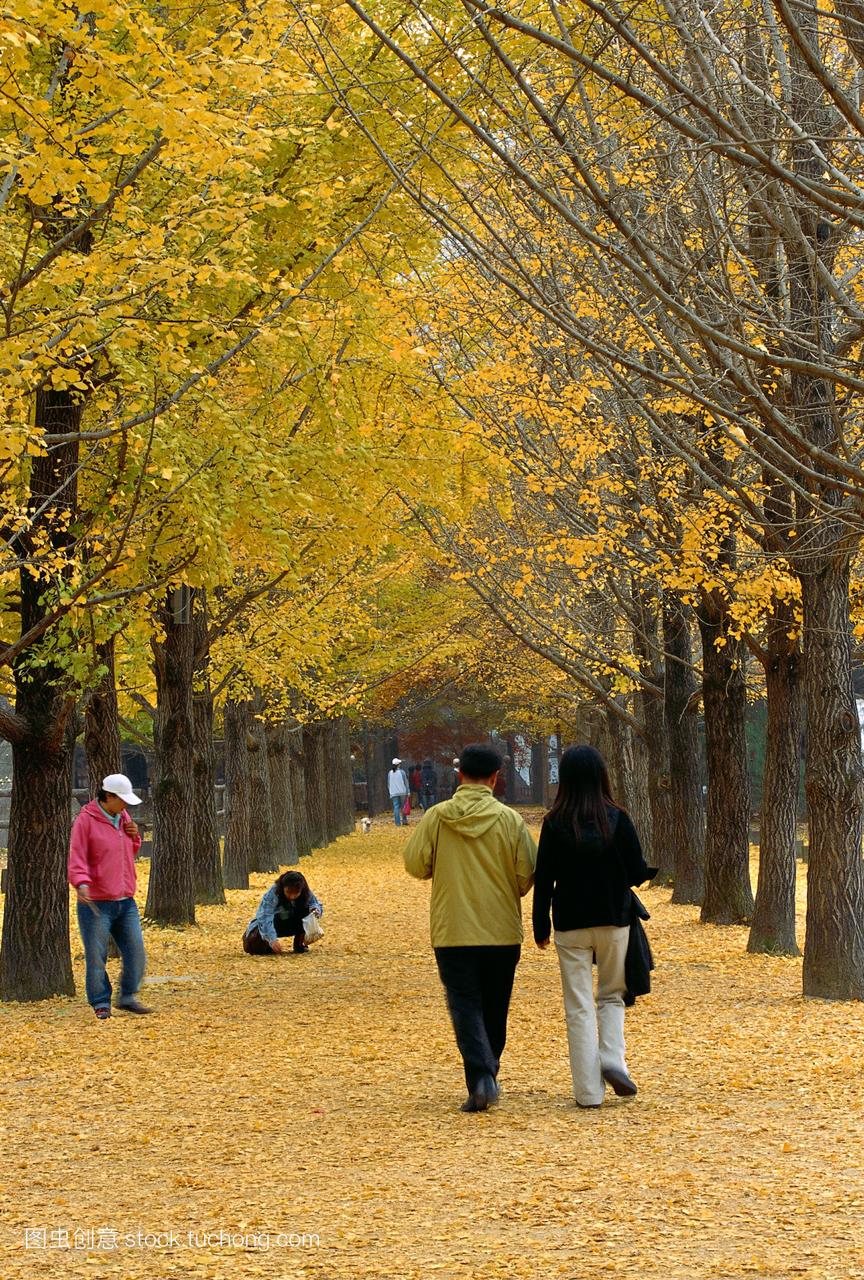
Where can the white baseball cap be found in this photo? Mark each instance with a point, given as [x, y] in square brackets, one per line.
[396, 760]
[119, 785]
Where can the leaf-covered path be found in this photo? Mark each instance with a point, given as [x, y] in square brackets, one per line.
[319, 1094]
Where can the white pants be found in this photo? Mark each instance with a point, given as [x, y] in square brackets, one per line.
[595, 1035]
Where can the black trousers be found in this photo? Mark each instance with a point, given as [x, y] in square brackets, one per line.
[478, 982]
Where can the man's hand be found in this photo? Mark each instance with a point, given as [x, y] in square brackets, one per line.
[316, 911]
[277, 947]
[131, 828]
[544, 944]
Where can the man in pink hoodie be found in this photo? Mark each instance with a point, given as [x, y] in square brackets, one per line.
[102, 853]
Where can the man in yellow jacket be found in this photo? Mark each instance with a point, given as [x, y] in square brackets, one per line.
[480, 858]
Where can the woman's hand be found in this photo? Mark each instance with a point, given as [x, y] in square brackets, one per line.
[316, 911]
[131, 828]
[277, 947]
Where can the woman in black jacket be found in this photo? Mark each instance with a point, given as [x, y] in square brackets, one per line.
[588, 858]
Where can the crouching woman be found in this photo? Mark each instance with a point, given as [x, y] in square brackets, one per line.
[280, 915]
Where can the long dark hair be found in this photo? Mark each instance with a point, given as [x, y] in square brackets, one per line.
[584, 794]
[295, 880]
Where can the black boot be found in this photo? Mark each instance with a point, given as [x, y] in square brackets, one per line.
[484, 1096]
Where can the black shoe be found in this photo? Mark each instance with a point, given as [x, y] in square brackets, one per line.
[300, 948]
[485, 1095]
[588, 1106]
[133, 1005]
[489, 1086]
[103, 1012]
[620, 1082]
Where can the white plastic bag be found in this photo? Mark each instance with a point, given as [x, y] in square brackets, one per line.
[312, 927]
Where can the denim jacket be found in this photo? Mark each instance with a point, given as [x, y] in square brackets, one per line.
[267, 910]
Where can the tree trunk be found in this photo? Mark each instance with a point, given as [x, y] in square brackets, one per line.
[340, 780]
[171, 891]
[345, 774]
[302, 834]
[263, 853]
[641, 811]
[623, 747]
[316, 806]
[659, 787]
[367, 771]
[236, 857]
[599, 733]
[382, 749]
[281, 796]
[610, 743]
[333, 767]
[728, 893]
[206, 862]
[648, 645]
[101, 725]
[773, 929]
[35, 961]
[687, 822]
[834, 942]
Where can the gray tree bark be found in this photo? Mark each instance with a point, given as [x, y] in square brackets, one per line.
[35, 961]
[728, 893]
[261, 844]
[101, 725]
[316, 794]
[237, 853]
[773, 928]
[281, 794]
[687, 826]
[302, 834]
[170, 891]
[206, 859]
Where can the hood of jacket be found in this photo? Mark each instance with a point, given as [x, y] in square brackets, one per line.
[471, 811]
[93, 809]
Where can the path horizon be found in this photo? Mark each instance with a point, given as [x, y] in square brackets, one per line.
[318, 1096]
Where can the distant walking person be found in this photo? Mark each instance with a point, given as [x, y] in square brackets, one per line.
[101, 870]
[428, 785]
[397, 782]
[480, 858]
[588, 859]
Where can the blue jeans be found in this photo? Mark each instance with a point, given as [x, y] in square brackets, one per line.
[122, 922]
[398, 816]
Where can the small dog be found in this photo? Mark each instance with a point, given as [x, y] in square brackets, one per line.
[366, 825]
